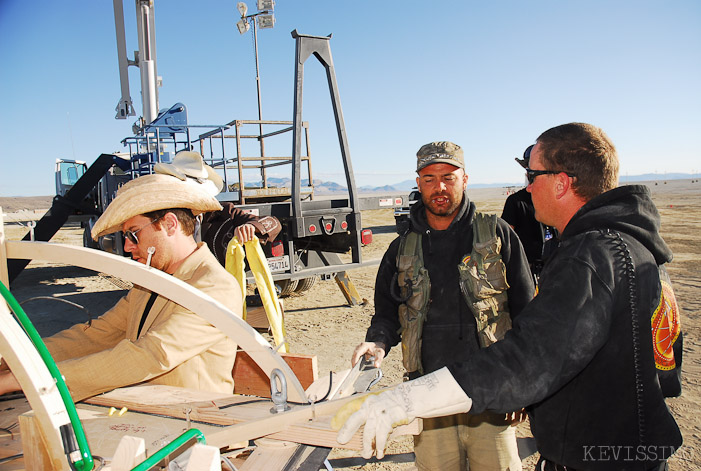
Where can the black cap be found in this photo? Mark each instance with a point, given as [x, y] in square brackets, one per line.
[526, 157]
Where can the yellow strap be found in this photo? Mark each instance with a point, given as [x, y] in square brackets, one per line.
[264, 281]
[235, 265]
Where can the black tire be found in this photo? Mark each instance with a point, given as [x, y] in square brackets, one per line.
[305, 284]
[287, 287]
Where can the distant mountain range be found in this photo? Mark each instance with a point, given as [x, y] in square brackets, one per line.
[646, 177]
[326, 187]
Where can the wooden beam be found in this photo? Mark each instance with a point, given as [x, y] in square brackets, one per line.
[269, 454]
[166, 285]
[204, 458]
[130, 452]
[348, 289]
[257, 317]
[33, 439]
[278, 422]
[245, 416]
[251, 380]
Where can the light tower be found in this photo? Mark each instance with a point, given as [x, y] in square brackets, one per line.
[263, 19]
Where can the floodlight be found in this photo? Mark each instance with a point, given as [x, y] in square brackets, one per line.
[242, 8]
[265, 21]
[243, 26]
[266, 4]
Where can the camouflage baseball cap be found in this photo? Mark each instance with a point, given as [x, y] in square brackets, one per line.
[440, 152]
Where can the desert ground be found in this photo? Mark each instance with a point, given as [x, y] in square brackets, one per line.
[320, 322]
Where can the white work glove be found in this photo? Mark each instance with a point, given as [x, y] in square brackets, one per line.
[436, 394]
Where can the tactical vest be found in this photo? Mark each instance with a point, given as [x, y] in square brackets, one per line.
[482, 283]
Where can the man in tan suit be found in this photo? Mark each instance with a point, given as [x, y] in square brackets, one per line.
[145, 338]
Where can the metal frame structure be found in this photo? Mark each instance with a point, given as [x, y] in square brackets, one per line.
[315, 231]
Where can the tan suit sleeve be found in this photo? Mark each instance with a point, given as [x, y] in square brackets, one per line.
[104, 332]
[176, 347]
[170, 342]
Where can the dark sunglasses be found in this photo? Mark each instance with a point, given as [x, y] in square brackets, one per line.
[131, 235]
[532, 174]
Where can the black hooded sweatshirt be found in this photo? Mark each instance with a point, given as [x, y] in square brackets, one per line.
[450, 330]
[578, 354]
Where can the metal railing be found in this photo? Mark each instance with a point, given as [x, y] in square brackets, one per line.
[224, 148]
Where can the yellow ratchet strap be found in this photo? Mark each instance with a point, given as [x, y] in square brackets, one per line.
[264, 281]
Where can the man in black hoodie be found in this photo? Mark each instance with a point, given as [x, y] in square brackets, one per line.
[581, 354]
[445, 219]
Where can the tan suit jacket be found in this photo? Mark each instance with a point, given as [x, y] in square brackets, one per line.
[176, 347]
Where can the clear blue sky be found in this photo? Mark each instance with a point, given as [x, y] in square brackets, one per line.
[490, 76]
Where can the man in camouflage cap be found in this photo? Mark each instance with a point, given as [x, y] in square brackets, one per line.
[440, 152]
[444, 218]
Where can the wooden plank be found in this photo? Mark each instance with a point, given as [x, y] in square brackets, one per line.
[105, 433]
[175, 402]
[269, 454]
[169, 287]
[33, 439]
[348, 289]
[257, 318]
[204, 458]
[250, 379]
[319, 433]
[130, 452]
[274, 423]
[247, 417]
[10, 438]
[320, 387]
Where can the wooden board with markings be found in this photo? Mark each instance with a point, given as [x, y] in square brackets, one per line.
[300, 424]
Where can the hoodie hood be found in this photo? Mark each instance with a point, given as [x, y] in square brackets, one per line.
[419, 223]
[628, 209]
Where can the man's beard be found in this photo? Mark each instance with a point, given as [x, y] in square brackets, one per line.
[446, 211]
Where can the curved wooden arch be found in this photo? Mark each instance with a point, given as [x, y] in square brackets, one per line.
[36, 382]
[166, 285]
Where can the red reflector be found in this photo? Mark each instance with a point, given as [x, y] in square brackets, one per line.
[344, 225]
[277, 250]
[312, 228]
[328, 227]
[366, 236]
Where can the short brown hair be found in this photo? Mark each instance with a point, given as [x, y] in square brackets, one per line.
[184, 215]
[585, 151]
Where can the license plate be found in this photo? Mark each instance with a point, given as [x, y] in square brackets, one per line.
[278, 264]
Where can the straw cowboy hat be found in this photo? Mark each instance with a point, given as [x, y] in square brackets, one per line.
[188, 164]
[151, 193]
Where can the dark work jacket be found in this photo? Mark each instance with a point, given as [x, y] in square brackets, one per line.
[218, 228]
[450, 330]
[520, 214]
[573, 351]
